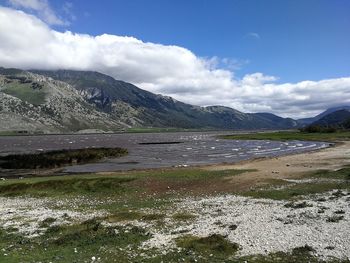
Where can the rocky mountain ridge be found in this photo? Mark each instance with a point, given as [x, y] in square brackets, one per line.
[71, 101]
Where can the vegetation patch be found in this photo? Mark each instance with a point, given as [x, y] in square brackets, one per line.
[124, 216]
[74, 243]
[297, 205]
[133, 215]
[183, 216]
[298, 254]
[152, 217]
[58, 158]
[295, 191]
[214, 244]
[47, 222]
[290, 135]
[26, 91]
[343, 174]
[335, 219]
[64, 186]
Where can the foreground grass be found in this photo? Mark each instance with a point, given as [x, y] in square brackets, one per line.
[74, 243]
[150, 188]
[92, 242]
[291, 135]
[128, 183]
[58, 158]
[282, 190]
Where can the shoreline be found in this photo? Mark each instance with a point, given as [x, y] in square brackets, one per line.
[60, 171]
[292, 166]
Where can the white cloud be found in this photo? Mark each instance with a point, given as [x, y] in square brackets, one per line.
[27, 42]
[43, 9]
[68, 10]
[253, 35]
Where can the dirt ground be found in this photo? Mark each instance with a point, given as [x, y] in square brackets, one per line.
[291, 166]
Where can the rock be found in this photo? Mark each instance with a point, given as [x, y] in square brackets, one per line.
[232, 227]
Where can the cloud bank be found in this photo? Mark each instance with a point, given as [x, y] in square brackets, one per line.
[28, 42]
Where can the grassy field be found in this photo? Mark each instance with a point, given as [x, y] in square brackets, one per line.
[291, 135]
[78, 242]
[282, 190]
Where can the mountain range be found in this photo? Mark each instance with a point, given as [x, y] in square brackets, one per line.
[73, 101]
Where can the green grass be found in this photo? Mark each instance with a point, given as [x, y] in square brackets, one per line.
[343, 174]
[26, 93]
[81, 242]
[58, 158]
[74, 243]
[215, 245]
[297, 255]
[296, 191]
[184, 216]
[128, 184]
[192, 174]
[61, 186]
[291, 135]
[133, 215]
[8, 133]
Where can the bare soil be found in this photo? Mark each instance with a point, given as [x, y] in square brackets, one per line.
[291, 166]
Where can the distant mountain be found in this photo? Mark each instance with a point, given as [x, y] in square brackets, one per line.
[307, 121]
[274, 119]
[334, 119]
[66, 100]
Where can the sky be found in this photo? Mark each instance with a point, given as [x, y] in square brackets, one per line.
[290, 57]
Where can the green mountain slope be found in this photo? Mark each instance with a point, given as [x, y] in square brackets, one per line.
[307, 121]
[340, 118]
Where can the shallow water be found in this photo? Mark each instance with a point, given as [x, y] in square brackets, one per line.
[150, 150]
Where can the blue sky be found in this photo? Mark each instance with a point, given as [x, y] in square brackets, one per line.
[289, 57]
[296, 39]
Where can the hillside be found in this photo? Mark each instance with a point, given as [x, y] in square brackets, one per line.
[144, 108]
[307, 121]
[69, 101]
[36, 103]
[338, 118]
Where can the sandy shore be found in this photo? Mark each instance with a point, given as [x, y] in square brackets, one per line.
[290, 166]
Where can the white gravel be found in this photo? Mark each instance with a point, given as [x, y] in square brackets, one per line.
[26, 214]
[265, 226]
